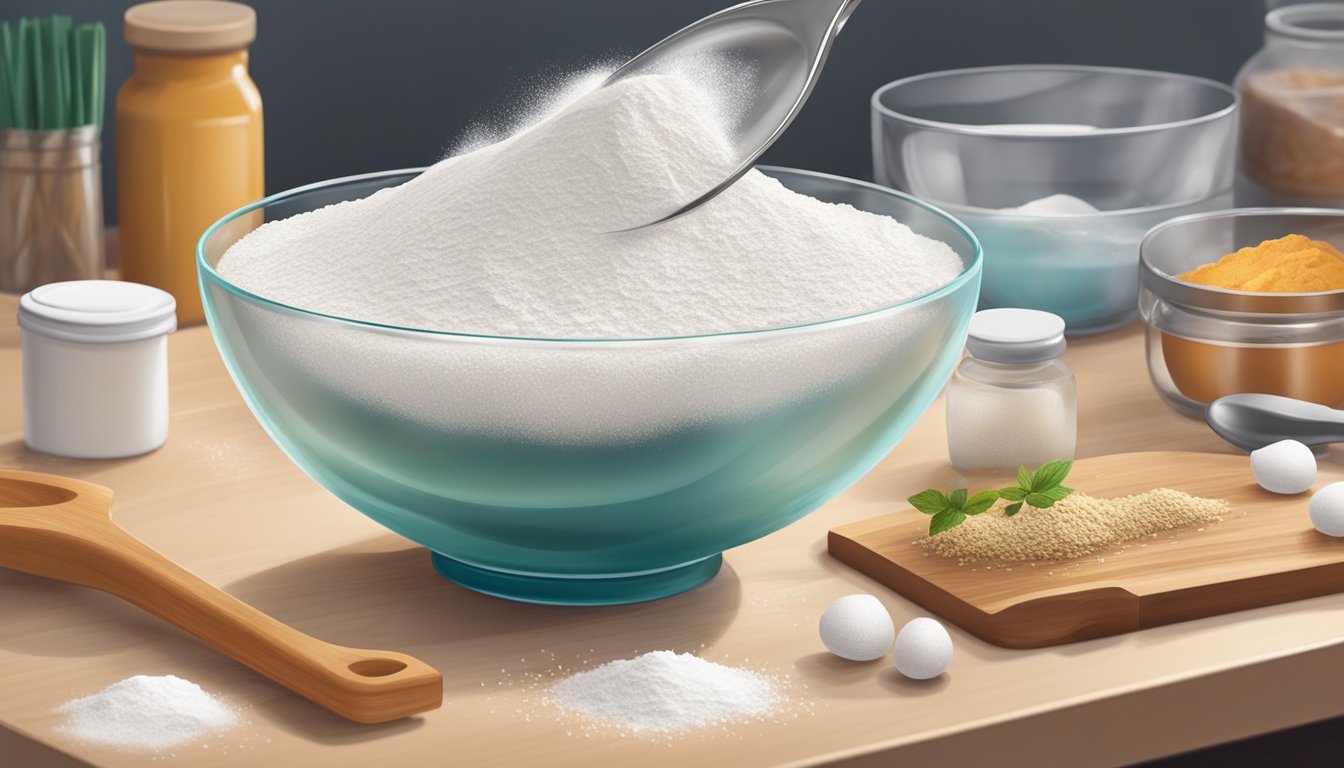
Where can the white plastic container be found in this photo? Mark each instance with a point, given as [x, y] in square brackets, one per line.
[1012, 402]
[95, 368]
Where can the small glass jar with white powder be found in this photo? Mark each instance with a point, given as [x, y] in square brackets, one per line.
[95, 368]
[1012, 402]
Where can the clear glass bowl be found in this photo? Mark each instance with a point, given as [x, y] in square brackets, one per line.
[1205, 342]
[587, 472]
[1141, 146]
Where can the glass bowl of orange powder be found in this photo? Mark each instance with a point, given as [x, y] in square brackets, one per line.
[1246, 300]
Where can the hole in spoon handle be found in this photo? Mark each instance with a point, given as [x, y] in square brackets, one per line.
[376, 667]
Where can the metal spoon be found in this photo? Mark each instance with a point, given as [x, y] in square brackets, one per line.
[785, 42]
[1254, 421]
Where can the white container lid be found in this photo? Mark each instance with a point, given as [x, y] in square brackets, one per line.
[1015, 336]
[98, 311]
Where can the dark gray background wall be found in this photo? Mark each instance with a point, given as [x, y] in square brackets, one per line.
[362, 85]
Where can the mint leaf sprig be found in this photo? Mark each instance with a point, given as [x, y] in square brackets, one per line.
[1039, 489]
[951, 509]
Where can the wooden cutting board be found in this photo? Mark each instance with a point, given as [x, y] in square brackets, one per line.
[1264, 552]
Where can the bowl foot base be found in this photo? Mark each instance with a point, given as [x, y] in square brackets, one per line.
[578, 590]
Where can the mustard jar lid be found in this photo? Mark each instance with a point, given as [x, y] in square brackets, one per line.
[190, 26]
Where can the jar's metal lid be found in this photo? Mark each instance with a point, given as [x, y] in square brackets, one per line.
[190, 26]
[1015, 336]
[98, 311]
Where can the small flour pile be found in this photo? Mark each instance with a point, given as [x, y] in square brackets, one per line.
[666, 692]
[518, 238]
[146, 712]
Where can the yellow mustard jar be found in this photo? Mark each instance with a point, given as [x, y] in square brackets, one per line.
[189, 138]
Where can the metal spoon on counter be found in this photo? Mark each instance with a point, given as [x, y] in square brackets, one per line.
[781, 44]
[1251, 421]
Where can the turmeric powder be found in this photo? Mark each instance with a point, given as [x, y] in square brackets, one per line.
[1291, 264]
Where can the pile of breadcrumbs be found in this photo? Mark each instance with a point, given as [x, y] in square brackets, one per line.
[1073, 527]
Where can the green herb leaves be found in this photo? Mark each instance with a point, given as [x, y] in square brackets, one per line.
[950, 510]
[1039, 489]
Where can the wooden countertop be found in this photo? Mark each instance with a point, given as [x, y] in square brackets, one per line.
[222, 500]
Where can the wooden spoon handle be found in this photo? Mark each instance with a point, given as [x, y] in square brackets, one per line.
[363, 685]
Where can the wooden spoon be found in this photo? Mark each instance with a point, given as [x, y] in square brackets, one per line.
[61, 529]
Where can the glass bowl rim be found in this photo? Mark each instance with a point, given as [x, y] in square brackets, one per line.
[875, 102]
[969, 271]
[1176, 290]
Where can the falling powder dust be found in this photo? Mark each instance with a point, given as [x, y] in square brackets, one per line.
[667, 692]
[147, 713]
[1077, 526]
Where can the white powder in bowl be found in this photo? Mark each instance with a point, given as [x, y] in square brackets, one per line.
[515, 239]
[146, 712]
[664, 691]
[1056, 205]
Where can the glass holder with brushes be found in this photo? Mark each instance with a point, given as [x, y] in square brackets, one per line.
[51, 106]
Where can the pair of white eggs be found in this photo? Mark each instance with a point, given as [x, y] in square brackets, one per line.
[1289, 467]
[858, 628]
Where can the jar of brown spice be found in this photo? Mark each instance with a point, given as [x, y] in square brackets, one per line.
[1292, 111]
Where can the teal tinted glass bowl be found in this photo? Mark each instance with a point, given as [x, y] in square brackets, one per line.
[587, 471]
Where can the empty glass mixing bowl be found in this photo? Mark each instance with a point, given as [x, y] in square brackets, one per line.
[1140, 146]
[587, 472]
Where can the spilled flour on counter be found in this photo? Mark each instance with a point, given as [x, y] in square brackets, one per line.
[666, 692]
[516, 238]
[146, 712]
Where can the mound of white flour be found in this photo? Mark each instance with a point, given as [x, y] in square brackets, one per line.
[146, 712]
[516, 239]
[665, 691]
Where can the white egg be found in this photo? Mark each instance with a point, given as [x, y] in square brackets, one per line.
[923, 649]
[1327, 510]
[1284, 467]
[857, 627]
